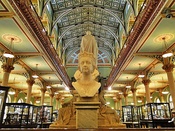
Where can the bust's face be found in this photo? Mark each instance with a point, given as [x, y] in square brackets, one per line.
[86, 66]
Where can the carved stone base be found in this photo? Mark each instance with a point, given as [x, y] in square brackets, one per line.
[86, 114]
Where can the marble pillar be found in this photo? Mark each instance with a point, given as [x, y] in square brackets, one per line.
[134, 96]
[51, 99]
[169, 70]
[43, 90]
[146, 84]
[6, 72]
[29, 90]
[126, 98]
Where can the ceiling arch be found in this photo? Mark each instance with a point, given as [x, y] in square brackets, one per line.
[103, 27]
[109, 12]
[103, 56]
[116, 60]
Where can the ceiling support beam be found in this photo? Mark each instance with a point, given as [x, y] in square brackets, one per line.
[6, 15]
[141, 25]
[70, 10]
[33, 23]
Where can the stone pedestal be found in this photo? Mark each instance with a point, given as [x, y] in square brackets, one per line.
[86, 114]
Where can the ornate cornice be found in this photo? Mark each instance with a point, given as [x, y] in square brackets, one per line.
[34, 25]
[142, 23]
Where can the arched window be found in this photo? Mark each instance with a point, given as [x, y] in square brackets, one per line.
[170, 101]
[20, 101]
[157, 100]
[8, 100]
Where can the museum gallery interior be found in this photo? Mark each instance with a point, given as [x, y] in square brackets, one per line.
[87, 64]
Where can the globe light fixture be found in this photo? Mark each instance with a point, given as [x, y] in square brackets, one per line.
[9, 54]
[166, 53]
[127, 85]
[141, 75]
[35, 76]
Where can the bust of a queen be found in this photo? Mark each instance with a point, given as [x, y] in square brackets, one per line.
[86, 84]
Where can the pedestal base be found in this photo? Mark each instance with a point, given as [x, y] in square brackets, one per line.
[86, 114]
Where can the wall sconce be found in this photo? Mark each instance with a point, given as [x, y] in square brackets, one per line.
[9, 54]
[48, 86]
[35, 76]
[37, 101]
[109, 88]
[11, 91]
[166, 53]
[139, 101]
[165, 91]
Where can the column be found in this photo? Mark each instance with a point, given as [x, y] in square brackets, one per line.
[120, 102]
[51, 99]
[43, 90]
[134, 96]
[115, 104]
[29, 90]
[146, 84]
[126, 98]
[56, 106]
[169, 70]
[6, 72]
[142, 100]
[161, 96]
[15, 96]
[120, 105]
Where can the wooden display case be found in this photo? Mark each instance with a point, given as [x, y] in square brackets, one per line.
[20, 115]
[130, 116]
[3, 96]
[154, 114]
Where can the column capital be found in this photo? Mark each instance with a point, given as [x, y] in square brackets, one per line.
[115, 100]
[168, 67]
[30, 82]
[58, 96]
[51, 95]
[125, 94]
[43, 90]
[7, 68]
[146, 81]
[133, 90]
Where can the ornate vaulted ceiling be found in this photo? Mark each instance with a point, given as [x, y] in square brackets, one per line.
[48, 34]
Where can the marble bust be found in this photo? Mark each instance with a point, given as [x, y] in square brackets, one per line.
[86, 84]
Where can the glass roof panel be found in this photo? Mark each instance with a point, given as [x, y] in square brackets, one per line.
[102, 17]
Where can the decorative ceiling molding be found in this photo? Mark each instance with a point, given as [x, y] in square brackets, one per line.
[70, 10]
[36, 28]
[103, 27]
[142, 23]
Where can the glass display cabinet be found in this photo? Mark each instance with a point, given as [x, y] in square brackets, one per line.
[54, 115]
[20, 115]
[130, 116]
[44, 116]
[154, 114]
[3, 96]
